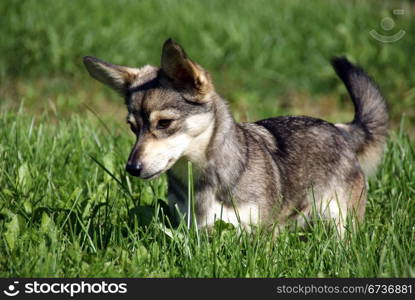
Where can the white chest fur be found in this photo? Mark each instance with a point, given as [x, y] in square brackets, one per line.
[212, 208]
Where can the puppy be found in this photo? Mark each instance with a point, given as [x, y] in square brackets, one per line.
[267, 172]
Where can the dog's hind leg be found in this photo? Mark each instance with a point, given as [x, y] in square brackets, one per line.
[348, 203]
[357, 197]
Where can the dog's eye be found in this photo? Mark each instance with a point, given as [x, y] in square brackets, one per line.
[164, 123]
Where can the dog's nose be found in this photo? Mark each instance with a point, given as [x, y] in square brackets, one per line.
[134, 168]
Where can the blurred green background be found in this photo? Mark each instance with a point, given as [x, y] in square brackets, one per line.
[266, 57]
[67, 206]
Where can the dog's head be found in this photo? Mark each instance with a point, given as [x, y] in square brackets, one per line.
[170, 109]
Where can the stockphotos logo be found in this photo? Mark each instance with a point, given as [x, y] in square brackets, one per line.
[70, 289]
[12, 290]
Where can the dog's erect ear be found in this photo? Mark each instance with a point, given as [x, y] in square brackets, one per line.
[117, 77]
[182, 71]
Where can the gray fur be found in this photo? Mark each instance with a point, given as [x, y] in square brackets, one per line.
[278, 169]
[368, 131]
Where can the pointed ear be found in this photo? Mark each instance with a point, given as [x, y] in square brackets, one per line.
[182, 71]
[117, 77]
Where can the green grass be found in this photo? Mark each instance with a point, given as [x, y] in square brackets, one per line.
[67, 207]
[267, 57]
[61, 214]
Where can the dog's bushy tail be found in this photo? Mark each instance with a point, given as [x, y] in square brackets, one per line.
[369, 129]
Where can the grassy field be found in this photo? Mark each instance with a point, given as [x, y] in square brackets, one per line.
[67, 207]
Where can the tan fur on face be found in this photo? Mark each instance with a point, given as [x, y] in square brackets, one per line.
[159, 154]
[196, 152]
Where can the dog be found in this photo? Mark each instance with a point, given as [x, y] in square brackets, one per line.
[269, 172]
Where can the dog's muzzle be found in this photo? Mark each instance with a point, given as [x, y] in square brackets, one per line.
[134, 168]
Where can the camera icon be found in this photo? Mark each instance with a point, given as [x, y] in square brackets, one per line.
[387, 24]
[11, 290]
